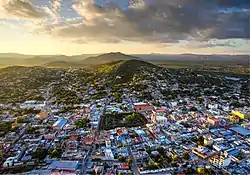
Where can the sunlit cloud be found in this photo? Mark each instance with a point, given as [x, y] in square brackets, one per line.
[208, 24]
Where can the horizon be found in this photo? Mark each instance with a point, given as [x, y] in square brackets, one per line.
[99, 54]
[57, 27]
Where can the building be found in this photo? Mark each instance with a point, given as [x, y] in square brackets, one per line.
[238, 114]
[242, 131]
[64, 165]
[220, 161]
[59, 124]
[234, 119]
[32, 104]
[208, 140]
[213, 121]
[143, 107]
[159, 116]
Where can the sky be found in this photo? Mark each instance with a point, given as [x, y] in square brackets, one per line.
[72, 27]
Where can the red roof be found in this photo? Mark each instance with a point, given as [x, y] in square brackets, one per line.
[73, 138]
[125, 166]
[88, 140]
[161, 111]
[109, 173]
[119, 132]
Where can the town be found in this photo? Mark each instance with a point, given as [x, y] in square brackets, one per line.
[125, 118]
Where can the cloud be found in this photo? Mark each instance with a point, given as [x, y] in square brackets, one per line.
[163, 21]
[217, 43]
[21, 9]
[56, 7]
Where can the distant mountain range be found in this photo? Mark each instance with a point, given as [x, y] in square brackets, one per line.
[86, 60]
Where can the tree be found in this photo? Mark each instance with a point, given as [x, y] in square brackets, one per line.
[5, 127]
[131, 117]
[175, 158]
[161, 150]
[56, 153]
[148, 149]
[19, 120]
[122, 158]
[32, 130]
[152, 165]
[190, 171]
[201, 171]
[200, 141]
[185, 156]
[129, 161]
[82, 123]
[40, 153]
[170, 97]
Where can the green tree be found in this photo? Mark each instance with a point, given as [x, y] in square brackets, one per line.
[55, 153]
[175, 158]
[161, 150]
[148, 149]
[82, 123]
[185, 156]
[131, 117]
[31, 130]
[200, 141]
[40, 153]
[170, 97]
[19, 120]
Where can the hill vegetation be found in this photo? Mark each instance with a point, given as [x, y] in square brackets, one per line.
[238, 64]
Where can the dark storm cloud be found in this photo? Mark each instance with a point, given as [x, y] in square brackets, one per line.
[234, 3]
[164, 21]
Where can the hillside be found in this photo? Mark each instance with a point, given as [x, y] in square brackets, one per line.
[61, 64]
[107, 58]
[123, 71]
[236, 64]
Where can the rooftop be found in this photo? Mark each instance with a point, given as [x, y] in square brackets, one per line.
[242, 131]
[64, 165]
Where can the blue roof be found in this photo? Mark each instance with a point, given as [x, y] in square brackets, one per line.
[61, 122]
[64, 165]
[225, 133]
[242, 131]
[234, 152]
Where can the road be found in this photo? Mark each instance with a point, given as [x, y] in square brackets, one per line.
[96, 135]
[134, 167]
[47, 106]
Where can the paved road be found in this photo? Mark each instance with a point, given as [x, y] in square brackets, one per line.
[96, 135]
[134, 167]
[47, 106]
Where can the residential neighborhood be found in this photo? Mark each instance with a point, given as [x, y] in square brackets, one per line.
[160, 122]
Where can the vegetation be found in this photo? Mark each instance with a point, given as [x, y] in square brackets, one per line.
[82, 123]
[40, 153]
[19, 84]
[112, 121]
[5, 127]
[55, 153]
[185, 156]
[32, 130]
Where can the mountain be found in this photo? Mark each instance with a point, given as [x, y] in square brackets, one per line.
[14, 55]
[123, 71]
[61, 64]
[107, 58]
[8, 59]
[40, 60]
[194, 58]
[214, 63]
